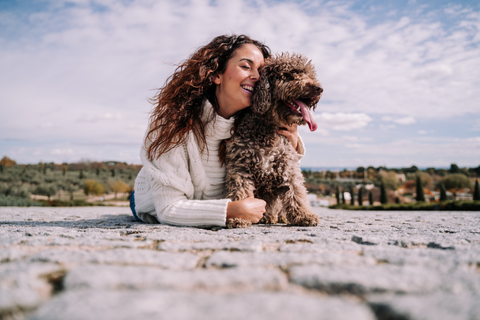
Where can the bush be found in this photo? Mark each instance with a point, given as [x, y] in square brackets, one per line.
[476, 191]
[456, 181]
[389, 180]
[93, 187]
[17, 202]
[443, 192]
[419, 189]
[71, 203]
[46, 190]
[383, 194]
[118, 187]
[360, 196]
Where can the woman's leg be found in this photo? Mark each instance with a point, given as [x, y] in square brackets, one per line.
[132, 206]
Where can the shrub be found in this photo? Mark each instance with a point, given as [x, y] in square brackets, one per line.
[389, 180]
[443, 192]
[456, 181]
[476, 191]
[46, 190]
[352, 194]
[17, 202]
[419, 189]
[93, 187]
[360, 196]
[383, 194]
[337, 190]
[118, 187]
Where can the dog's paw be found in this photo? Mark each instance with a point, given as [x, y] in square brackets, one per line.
[308, 220]
[238, 223]
[268, 219]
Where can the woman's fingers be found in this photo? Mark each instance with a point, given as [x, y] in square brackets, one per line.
[291, 134]
[250, 208]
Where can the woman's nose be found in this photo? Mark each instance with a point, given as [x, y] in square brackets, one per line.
[255, 75]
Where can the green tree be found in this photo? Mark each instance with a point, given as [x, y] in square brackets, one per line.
[93, 187]
[46, 190]
[113, 173]
[427, 180]
[419, 189]
[443, 193]
[383, 194]
[370, 197]
[389, 180]
[71, 188]
[476, 191]
[338, 194]
[352, 194]
[454, 168]
[456, 181]
[80, 175]
[118, 187]
[360, 196]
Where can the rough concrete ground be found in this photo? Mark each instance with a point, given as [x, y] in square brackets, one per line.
[98, 263]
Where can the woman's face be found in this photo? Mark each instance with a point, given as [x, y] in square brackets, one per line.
[235, 86]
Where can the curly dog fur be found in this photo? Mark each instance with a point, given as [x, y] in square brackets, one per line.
[262, 163]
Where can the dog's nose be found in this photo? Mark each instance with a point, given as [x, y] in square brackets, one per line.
[318, 89]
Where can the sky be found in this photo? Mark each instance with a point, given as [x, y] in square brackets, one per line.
[401, 79]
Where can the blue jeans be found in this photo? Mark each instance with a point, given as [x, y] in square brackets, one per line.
[132, 206]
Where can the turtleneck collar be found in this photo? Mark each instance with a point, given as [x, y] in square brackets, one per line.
[219, 128]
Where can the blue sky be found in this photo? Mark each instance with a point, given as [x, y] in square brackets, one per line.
[401, 78]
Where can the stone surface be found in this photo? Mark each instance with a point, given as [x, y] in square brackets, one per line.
[99, 263]
[154, 305]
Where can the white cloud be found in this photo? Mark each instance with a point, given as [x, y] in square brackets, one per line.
[100, 117]
[61, 152]
[403, 120]
[422, 131]
[406, 120]
[342, 121]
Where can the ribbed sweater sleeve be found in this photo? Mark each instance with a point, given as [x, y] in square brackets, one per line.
[170, 187]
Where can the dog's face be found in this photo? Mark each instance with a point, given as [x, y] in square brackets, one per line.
[287, 91]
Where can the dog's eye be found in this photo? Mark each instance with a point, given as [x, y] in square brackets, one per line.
[289, 76]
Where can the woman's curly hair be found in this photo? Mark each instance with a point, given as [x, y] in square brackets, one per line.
[179, 103]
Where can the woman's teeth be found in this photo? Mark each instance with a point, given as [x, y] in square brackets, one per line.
[248, 88]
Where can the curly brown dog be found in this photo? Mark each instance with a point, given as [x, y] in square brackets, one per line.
[262, 163]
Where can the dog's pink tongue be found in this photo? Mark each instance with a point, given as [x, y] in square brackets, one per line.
[312, 125]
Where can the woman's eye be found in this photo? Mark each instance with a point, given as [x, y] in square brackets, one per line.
[246, 67]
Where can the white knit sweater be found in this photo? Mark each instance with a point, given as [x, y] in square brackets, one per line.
[185, 187]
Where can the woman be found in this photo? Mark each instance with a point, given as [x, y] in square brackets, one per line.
[182, 181]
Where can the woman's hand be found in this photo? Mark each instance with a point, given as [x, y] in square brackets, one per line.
[291, 135]
[250, 209]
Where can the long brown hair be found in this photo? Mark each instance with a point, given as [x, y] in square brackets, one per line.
[179, 103]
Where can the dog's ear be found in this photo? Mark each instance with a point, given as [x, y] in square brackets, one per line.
[262, 95]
